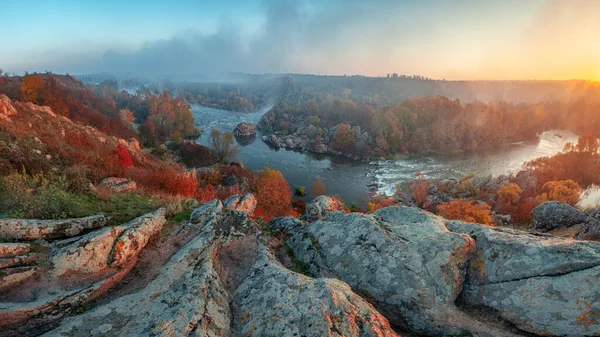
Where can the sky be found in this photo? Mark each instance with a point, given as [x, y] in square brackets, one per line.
[442, 39]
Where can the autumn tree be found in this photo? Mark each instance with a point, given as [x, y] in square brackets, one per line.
[509, 194]
[126, 116]
[273, 195]
[222, 144]
[465, 210]
[32, 88]
[567, 191]
[318, 188]
[344, 137]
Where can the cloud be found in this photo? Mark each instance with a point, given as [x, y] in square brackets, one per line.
[296, 37]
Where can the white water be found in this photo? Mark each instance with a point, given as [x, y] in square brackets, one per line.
[390, 173]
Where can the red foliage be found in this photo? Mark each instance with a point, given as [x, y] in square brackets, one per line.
[205, 193]
[273, 195]
[123, 157]
[299, 206]
[168, 180]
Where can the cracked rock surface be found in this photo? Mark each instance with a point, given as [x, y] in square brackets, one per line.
[398, 272]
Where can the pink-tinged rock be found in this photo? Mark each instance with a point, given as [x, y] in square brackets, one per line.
[26, 229]
[13, 249]
[245, 203]
[136, 236]
[11, 277]
[119, 185]
[6, 107]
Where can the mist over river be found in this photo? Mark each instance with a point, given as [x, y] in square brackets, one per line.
[352, 180]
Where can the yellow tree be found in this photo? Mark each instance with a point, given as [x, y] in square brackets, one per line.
[32, 88]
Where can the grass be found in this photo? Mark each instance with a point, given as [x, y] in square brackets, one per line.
[123, 207]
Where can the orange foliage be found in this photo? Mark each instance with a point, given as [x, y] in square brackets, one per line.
[567, 191]
[273, 194]
[32, 87]
[378, 202]
[419, 189]
[465, 210]
[509, 194]
[578, 162]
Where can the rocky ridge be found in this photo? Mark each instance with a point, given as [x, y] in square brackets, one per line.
[396, 272]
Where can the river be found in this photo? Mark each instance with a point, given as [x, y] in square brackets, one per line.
[352, 180]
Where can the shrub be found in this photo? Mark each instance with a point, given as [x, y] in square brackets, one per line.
[465, 210]
[123, 157]
[78, 178]
[38, 197]
[378, 202]
[418, 189]
[299, 191]
[509, 194]
[567, 191]
[195, 155]
[206, 193]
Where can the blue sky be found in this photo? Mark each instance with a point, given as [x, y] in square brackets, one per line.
[462, 39]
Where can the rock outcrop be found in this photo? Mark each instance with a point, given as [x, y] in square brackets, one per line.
[13, 249]
[555, 215]
[541, 284]
[275, 301]
[119, 185]
[245, 203]
[403, 259]
[110, 247]
[225, 282]
[245, 129]
[399, 270]
[6, 108]
[322, 205]
[28, 230]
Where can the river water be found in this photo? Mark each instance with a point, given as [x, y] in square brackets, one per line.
[352, 180]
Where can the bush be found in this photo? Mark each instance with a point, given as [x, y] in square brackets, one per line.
[465, 210]
[123, 157]
[195, 155]
[299, 191]
[567, 191]
[37, 197]
[418, 189]
[78, 178]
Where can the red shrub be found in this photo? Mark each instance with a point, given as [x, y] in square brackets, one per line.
[123, 156]
[206, 193]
